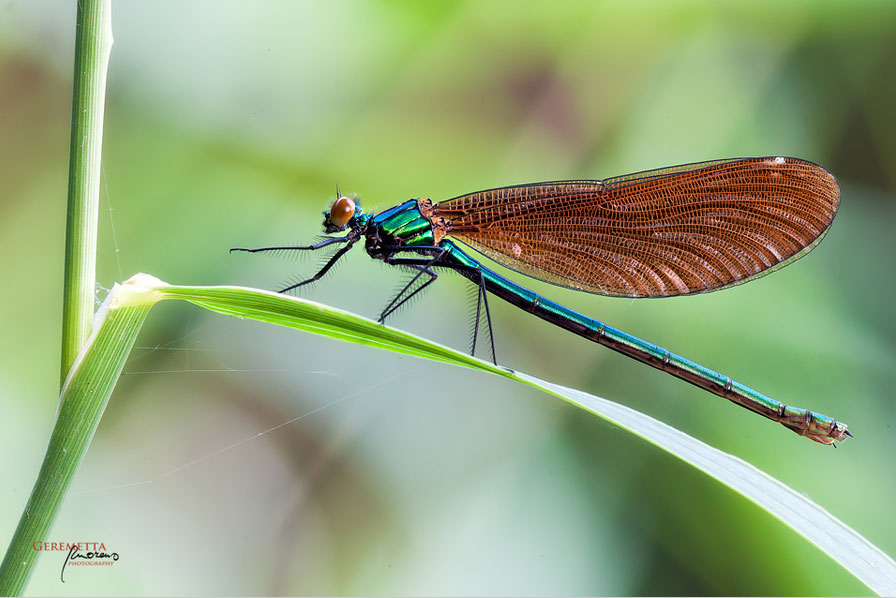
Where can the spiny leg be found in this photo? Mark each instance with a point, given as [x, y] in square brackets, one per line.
[476, 320]
[318, 245]
[477, 276]
[425, 266]
[336, 257]
[482, 299]
[398, 301]
[422, 265]
[488, 315]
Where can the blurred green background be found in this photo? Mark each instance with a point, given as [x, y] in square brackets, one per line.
[237, 458]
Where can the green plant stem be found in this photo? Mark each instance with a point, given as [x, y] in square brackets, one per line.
[93, 42]
[72, 433]
[82, 402]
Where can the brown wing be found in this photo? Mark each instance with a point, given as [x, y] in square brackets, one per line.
[673, 231]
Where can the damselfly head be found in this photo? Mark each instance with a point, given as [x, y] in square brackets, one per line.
[340, 214]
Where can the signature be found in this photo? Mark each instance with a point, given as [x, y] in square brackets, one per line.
[76, 555]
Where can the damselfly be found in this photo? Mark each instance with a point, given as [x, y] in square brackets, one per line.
[659, 233]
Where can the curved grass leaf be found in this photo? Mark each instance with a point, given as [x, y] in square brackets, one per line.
[82, 401]
[97, 368]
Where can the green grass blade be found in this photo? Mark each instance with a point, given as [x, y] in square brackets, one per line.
[275, 308]
[846, 546]
[97, 368]
[81, 404]
[93, 42]
[856, 554]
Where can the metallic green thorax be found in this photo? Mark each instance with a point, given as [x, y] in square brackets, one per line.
[401, 226]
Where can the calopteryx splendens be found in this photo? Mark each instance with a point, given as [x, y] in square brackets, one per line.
[659, 233]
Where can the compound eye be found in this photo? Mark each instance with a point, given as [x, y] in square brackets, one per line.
[342, 211]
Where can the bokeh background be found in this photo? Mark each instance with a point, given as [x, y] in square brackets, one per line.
[237, 458]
